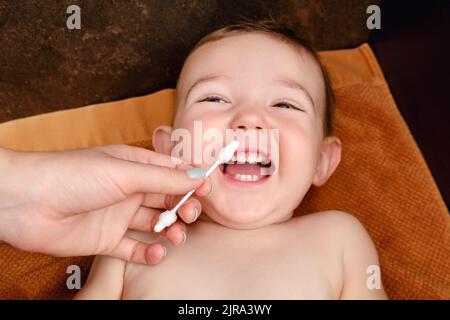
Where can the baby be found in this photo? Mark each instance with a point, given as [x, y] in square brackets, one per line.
[247, 244]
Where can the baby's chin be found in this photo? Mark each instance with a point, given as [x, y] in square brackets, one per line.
[240, 217]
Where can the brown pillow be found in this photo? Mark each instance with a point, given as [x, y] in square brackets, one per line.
[382, 180]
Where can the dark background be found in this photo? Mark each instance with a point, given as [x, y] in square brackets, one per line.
[127, 48]
[130, 48]
[413, 49]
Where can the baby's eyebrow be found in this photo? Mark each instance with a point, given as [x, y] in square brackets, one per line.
[204, 79]
[290, 83]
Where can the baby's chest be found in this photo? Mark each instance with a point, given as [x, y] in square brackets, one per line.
[224, 275]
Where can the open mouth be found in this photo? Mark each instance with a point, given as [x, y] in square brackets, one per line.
[248, 167]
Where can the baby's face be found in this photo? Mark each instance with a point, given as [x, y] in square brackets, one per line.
[252, 81]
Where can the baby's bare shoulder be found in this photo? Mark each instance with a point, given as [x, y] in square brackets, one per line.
[337, 230]
[333, 222]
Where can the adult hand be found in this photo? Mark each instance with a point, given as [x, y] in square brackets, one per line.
[82, 202]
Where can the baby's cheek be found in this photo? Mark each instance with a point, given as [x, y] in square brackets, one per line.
[206, 138]
[297, 160]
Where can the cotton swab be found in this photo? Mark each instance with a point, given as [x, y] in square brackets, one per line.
[168, 217]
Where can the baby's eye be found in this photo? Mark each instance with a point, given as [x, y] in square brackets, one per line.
[287, 105]
[213, 99]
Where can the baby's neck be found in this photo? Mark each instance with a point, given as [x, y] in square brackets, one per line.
[239, 241]
[204, 218]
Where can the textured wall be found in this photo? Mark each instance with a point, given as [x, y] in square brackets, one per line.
[127, 48]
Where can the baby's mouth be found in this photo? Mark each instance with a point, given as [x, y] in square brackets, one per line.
[248, 167]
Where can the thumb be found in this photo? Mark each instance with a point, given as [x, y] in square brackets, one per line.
[134, 177]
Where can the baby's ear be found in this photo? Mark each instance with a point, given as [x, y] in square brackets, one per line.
[161, 139]
[330, 156]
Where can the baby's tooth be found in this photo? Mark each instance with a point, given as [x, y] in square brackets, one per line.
[259, 158]
[252, 158]
[241, 157]
[246, 177]
[234, 159]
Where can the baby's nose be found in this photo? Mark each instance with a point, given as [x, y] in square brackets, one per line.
[245, 127]
[249, 119]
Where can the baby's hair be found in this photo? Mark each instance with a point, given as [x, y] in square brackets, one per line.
[274, 28]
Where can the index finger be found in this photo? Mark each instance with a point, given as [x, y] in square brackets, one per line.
[134, 177]
[142, 155]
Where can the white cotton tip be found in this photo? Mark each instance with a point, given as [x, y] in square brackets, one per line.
[166, 219]
[227, 153]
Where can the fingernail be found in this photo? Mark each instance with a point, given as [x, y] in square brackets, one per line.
[165, 251]
[184, 237]
[197, 213]
[196, 173]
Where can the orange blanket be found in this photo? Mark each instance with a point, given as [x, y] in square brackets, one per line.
[383, 179]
